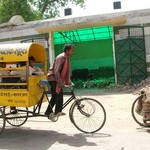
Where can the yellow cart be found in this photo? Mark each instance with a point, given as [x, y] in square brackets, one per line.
[11, 95]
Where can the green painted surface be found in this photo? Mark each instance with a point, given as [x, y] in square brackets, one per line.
[82, 35]
[91, 54]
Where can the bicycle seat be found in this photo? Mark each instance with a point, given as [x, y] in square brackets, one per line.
[44, 83]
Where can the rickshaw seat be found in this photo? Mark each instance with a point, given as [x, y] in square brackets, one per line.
[44, 83]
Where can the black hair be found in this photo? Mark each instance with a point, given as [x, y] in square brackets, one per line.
[32, 58]
[67, 47]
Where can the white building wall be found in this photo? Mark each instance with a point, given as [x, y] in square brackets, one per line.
[13, 34]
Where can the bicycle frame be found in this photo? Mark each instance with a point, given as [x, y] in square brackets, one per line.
[45, 93]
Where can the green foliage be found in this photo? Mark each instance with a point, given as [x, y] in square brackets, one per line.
[9, 8]
[50, 8]
[95, 83]
[33, 9]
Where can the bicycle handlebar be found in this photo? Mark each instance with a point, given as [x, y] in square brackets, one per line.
[43, 83]
[69, 86]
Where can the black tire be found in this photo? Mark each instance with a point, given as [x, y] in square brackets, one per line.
[88, 115]
[2, 121]
[16, 119]
[137, 117]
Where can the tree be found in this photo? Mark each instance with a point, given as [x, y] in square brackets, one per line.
[9, 8]
[33, 9]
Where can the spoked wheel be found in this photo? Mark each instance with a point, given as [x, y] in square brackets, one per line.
[2, 121]
[88, 115]
[17, 116]
[137, 115]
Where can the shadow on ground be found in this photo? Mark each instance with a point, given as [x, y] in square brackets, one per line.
[26, 138]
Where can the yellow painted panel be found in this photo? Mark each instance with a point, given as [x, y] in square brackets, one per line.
[14, 97]
[35, 90]
[21, 51]
[23, 97]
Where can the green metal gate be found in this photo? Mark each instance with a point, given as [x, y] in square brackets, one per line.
[130, 56]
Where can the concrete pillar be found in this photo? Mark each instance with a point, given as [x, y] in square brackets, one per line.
[51, 47]
[114, 56]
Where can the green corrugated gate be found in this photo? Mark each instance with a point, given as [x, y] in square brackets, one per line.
[130, 57]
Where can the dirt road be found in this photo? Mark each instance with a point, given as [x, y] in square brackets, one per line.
[119, 133]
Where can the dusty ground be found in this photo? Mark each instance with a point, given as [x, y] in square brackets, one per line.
[119, 133]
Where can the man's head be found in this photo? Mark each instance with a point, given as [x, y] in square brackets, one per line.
[31, 61]
[69, 49]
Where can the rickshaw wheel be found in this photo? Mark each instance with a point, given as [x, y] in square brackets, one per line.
[138, 117]
[2, 121]
[16, 118]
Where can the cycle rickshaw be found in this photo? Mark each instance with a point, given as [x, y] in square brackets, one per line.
[87, 114]
[141, 109]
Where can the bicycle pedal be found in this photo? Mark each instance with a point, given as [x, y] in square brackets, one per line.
[13, 112]
[53, 117]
